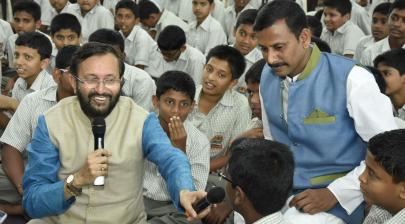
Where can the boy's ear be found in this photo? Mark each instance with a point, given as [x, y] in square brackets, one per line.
[240, 196]
[233, 83]
[212, 6]
[402, 190]
[155, 102]
[183, 48]
[38, 24]
[347, 16]
[56, 75]
[44, 63]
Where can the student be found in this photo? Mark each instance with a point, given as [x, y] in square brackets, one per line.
[246, 43]
[91, 15]
[155, 19]
[173, 101]
[392, 68]
[140, 48]
[270, 166]
[231, 15]
[32, 55]
[339, 32]
[137, 84]
[205, 32]
[383, 181]
[50, 9]
[177, 55]
[20, 129]
[395, 38]
[379, 28]
[65, 30]
[185, 11]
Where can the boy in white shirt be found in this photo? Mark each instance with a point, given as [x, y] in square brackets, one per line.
[231, 15]
[49, 9]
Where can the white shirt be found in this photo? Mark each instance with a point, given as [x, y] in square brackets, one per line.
[252, 57]
[96, 18]
[374, 50]
[207, 35]
[191, 61]
[229, 20]
[110, 5]
[372, 114]
[5, 33]
[275, 218]
[344, 40]
[43, 81]
[225, 121]
[363, 44]
[400, 113]
[168, 18]
[48, 12]
[361, 18]
[186, 10]
[198, 154]
[139, 86]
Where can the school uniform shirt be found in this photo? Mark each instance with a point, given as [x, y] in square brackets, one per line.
[48, 12]
[229, 20]
[225, 121]
[98, 17]
[20, 90]
[275, 218]
[110, 5]
[361, 18]
[6, 32]
[168, 18]
[400, 113]
[198, 154]
[363, 44]
[344, 40]
[252, 57]
[374, 50]
[186, 10]
[207, 35]
[139, 86]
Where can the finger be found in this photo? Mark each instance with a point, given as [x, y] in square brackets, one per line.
[297, 198]
[301, 204]
[171, 131]
[175, 126]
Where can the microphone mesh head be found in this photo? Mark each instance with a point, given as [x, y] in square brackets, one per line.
[216, 195]
[98, 126]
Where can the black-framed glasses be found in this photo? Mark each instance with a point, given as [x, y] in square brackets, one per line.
[93, 83]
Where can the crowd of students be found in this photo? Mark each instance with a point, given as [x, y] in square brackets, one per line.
[222, 76]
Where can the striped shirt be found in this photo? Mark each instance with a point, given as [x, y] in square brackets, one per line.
[275, 218]
[43, 81]
[207, 35]
[229, 118]
[197, 148]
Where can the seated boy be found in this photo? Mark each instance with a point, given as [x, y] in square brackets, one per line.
[174, 100]
[339, 32]
[19, 132]
[231, 15]
[50, 9]
[379, 29]
[383, 181]
[177, 55]
[246, 43]
[140, 48]
[259, 181]
[155, 19]
[137, 84]
[32, 55]
[91, 15]
[205, 32]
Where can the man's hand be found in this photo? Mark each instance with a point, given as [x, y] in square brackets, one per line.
[313, 201]
[187, 199]
[178, 134]
[219, 214]
[96, 165]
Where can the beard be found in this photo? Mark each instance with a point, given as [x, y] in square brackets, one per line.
[91, 110]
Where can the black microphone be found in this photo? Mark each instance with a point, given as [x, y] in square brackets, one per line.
[98, 127]
[214, 196]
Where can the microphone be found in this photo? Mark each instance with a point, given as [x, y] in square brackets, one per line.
[214, 196]
[98, 127]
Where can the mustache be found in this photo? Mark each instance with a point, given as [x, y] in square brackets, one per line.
[97, 94]
[276, 65]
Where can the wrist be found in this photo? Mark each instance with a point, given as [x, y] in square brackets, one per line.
[78, 180]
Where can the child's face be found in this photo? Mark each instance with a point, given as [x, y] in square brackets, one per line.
[217, 77]
[379, 26]
[393, 79]
[28, 62]
[201, 9]
[25, 22]
[173, 103]
[87, 5]
[58, 5]
[125, 20]
[254, 99]
[151, 20]
[240, 4]
[333, 19]
[65, 37]
[377, 185]
[245, 38]
[397, 24]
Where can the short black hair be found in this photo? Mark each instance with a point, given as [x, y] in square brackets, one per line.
[146, 8]
[344, 7]
[65, 21]
[378, 78]
[315, 25]
[30, 7]
[383, 8]
[388, 150]
[247, 17]
[322, 45]
[128, 4]
[36, 41]
[254, 73]
[264, 170]
[394, 58]
[398, 4]
[177, 81]
[171, 38]
[108, 36]
[274, 11]
[95, 48]
[64, 57]
[235, 59]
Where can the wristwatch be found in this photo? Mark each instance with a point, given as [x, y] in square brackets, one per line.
[75, 191]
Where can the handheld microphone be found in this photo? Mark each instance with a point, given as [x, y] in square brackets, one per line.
[214, 196]
[98, 127]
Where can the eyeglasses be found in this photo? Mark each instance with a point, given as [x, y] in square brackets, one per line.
[223, 176]
[93, 83]
[63, 71]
